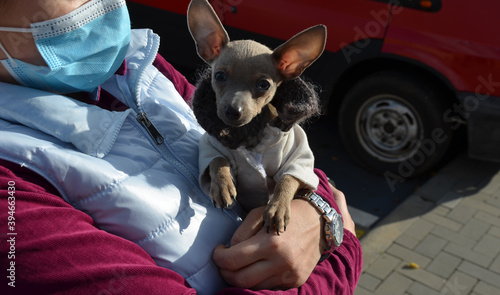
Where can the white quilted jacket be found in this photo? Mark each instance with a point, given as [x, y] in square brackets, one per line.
[141, 187]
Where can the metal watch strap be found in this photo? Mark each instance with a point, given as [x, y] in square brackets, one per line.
[334, 229]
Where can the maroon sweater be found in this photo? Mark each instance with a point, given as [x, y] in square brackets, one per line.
[58, 249]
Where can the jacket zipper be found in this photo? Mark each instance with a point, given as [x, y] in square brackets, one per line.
[155, 134]
[168, 155]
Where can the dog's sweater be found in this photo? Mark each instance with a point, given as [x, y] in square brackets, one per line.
[257, 170]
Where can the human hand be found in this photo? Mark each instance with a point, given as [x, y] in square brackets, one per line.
[260, 260]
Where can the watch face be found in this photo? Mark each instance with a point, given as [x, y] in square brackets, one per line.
[338, 229]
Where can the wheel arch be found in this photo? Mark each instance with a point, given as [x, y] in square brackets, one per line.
[389, 63]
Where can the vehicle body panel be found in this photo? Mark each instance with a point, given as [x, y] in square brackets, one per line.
[457, 43]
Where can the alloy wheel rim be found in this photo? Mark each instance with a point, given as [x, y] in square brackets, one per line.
[388, 128]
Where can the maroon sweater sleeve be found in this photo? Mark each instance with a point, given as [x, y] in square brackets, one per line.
[182, 85]
[57, 248]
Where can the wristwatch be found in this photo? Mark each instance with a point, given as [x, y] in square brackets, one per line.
[334, 227]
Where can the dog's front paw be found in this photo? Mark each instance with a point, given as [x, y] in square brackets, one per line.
[222, 191]
[276, 215]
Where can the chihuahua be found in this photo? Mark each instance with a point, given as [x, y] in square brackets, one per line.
[249, 102]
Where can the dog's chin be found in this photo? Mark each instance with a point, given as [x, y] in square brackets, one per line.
[234, 123]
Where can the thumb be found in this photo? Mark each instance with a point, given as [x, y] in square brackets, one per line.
[219, 254]
[250, 226]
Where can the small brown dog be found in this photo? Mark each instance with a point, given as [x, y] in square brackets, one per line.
[249, 103]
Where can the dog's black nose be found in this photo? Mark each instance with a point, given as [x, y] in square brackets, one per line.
[232, 113]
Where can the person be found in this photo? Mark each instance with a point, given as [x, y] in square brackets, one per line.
[98, 167]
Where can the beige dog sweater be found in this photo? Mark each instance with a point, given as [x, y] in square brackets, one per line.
[256, 171]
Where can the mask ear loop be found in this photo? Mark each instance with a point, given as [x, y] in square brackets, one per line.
[12, 60]
[19, 30]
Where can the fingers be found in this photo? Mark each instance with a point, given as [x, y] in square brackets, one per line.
[339, 199]
[263, 274]
[250, 276]
[248, 263]
[250, 226]
[247, 246]
[240, 255]
[242, 265]
[344, 211]
[256, 277]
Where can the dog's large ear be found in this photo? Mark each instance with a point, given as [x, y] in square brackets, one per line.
[206, 29]
[295, 55]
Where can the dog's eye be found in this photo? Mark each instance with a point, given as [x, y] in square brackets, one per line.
[220, 76]
[263, 85]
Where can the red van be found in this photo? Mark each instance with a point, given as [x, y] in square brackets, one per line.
[401, 76]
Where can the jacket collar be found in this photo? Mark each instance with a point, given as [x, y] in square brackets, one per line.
[90, 129]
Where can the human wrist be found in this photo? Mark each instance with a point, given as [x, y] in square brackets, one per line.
[332, 220]
[315, 220]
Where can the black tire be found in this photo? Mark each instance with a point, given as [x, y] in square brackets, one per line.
[392, 122]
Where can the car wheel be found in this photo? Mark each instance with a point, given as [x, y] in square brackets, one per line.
[392, 122]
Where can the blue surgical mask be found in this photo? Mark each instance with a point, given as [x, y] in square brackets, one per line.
[82, 49]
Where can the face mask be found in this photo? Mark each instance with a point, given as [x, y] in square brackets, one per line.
[82, 49]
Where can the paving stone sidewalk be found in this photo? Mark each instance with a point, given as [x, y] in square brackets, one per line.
[444, 239]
